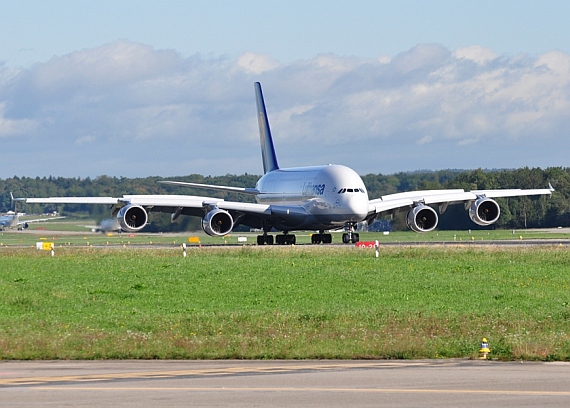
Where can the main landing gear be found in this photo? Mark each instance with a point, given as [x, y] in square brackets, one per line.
[265, 239]
[350, 236]
[321, 237]
[284, 239]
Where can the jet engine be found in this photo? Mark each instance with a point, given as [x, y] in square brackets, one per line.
[132, 218]
[422, 218]
[484, 211]
[217, 223]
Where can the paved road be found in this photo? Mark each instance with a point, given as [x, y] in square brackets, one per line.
[433, 383]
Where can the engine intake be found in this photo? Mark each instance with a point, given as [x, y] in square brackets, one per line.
[132, 218]
[422, 218]
[217, 223]
[484, 211]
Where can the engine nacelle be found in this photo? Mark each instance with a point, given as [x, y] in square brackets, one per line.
[422, 218]
[217, 223]
[132, 218]
[484, 211]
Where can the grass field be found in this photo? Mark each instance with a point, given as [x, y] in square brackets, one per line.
[285, 302]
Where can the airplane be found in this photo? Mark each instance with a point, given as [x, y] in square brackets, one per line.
[12, 219]
[318, 198]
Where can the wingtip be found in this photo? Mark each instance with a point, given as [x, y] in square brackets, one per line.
[550, 187]
[16, 199]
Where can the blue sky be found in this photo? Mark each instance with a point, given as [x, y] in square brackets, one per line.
[165, 88]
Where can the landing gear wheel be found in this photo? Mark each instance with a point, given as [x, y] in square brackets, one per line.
[285, 239]
[321, 237]
[350, 236]
[265, 239]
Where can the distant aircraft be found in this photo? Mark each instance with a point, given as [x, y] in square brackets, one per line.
[320, 198]
[12, 219]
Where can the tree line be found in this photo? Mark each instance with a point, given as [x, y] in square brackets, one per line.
[516, 212]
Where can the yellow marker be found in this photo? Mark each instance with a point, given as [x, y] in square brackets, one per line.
[484, 349]
[194, 240]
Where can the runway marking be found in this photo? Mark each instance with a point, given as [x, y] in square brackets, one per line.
[311, 389]
[208, 372]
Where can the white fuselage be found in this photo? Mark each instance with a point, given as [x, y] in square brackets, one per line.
[330, 196]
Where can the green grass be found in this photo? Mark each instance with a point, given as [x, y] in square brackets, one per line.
[285, 302]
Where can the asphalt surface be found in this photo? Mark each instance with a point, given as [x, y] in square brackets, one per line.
[386, 383]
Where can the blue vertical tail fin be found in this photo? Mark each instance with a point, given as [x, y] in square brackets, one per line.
[267, 148]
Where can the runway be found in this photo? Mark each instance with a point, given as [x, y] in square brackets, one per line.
[330, 383]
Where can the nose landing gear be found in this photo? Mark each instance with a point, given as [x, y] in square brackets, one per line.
[349, 235]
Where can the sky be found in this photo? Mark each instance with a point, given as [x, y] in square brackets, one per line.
[165, 88]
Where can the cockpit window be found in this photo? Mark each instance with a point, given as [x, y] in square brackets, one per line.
[351, 190]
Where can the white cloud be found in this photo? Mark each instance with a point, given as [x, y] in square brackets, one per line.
[427, 107]
[424, 140]
[15, 127]
[252, 63]
[475, 53]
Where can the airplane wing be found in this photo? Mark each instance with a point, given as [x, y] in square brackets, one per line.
[132, 210]
[71, 200]
[390, 203]
[158, 203]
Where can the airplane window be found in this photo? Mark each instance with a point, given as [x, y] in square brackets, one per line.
[349, 190]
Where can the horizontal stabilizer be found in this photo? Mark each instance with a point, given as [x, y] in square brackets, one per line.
[250, 191]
